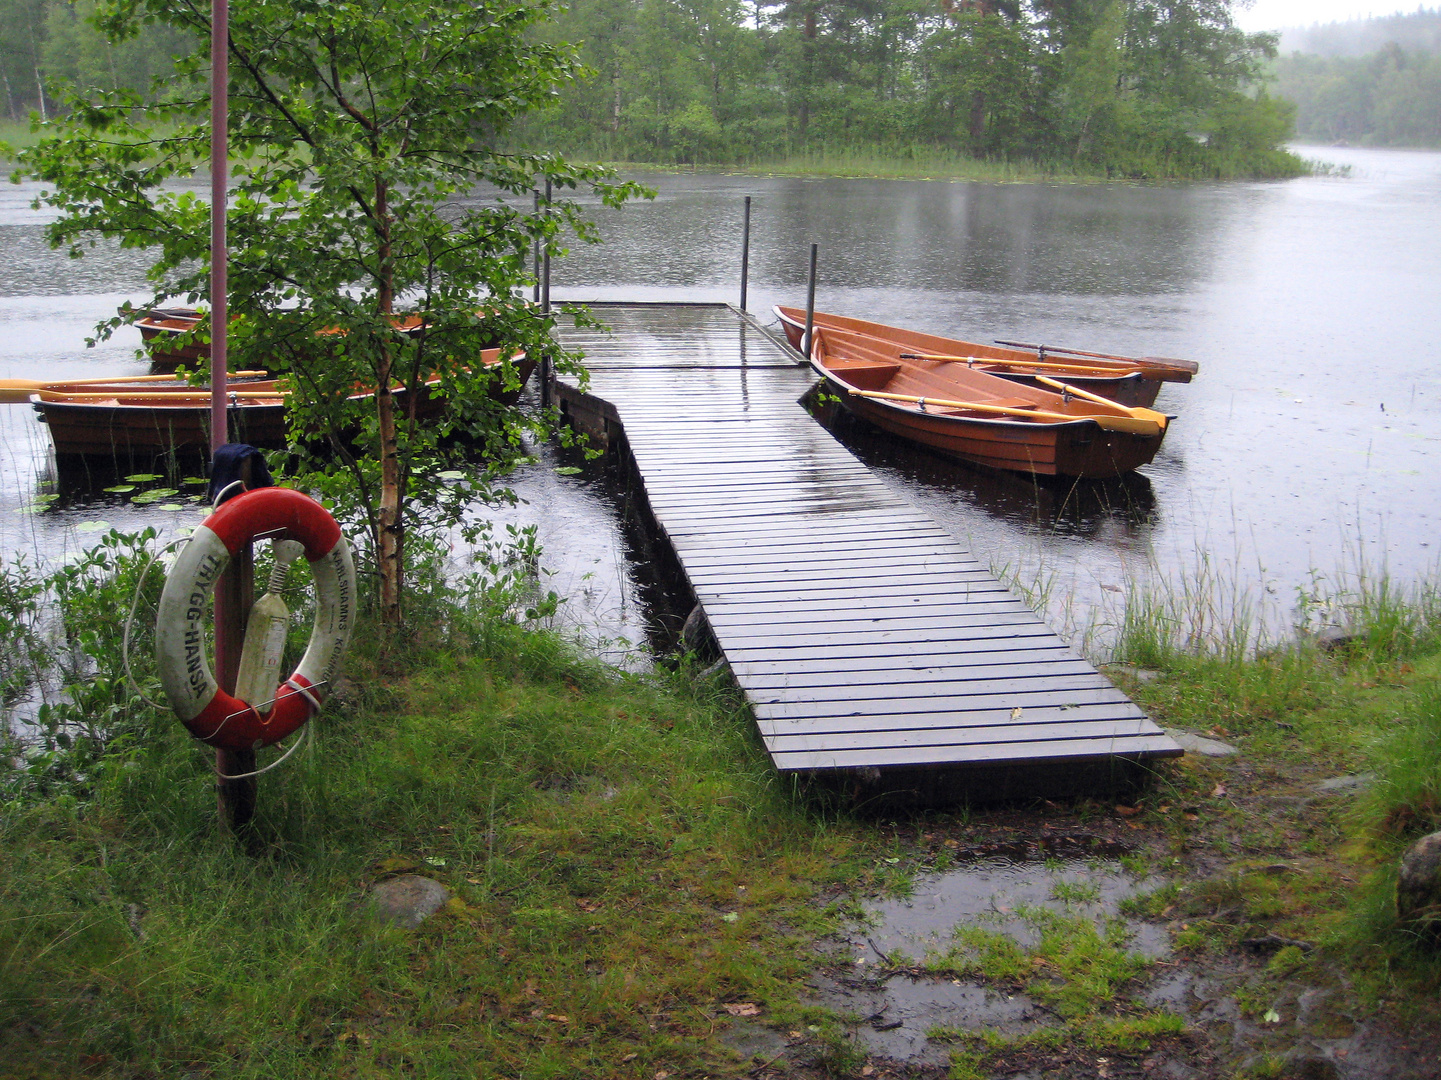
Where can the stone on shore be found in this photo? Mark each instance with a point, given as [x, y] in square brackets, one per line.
[408, 900]
[1418, 888]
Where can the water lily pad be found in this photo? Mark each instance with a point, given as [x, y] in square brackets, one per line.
[195, 481]
[92, 526]
[451, 474]
[172, 506]
[568, 470]
[121, 489]
[142, 478]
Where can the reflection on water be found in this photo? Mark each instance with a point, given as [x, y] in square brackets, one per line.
[1307, 442]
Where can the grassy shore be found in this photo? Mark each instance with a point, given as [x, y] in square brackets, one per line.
[632, 883]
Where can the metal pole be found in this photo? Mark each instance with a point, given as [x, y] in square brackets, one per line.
[545, 264]
[745, 252]
[535, 252]
[546, 371]
[810, 305]
[219, 140]
[234, 591]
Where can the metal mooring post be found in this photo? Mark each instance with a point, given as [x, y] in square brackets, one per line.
[535, 252]
[235, 589]
[810, 304]
[745, 251]
[546, 366]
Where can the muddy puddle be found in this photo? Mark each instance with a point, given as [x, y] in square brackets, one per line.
[895, 981]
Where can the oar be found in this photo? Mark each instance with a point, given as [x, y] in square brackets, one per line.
[1119, 371]
[1158, 418]
[60, 396]
[1167, 368]
[1132, 425]
[19, 390]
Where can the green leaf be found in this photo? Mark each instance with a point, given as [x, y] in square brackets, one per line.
[92, 526]
[568, 470]
[142, 478]
[121, 489]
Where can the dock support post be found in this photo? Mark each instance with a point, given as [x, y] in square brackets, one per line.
[810, 304]
[745, 251]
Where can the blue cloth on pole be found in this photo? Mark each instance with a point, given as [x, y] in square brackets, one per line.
[227, 471]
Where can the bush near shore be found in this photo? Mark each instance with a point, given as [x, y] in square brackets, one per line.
[629, 876]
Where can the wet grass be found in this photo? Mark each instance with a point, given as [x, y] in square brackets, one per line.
[1293, 844]
[623, 863]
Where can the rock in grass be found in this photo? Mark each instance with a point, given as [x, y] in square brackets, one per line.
[1418, 888]
[408, 900]
[1192, 743]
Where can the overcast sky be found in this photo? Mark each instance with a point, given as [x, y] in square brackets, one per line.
[1277, 14]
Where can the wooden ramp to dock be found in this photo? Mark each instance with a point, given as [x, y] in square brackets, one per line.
[863, 635]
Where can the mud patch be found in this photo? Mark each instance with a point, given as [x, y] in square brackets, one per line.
[885, 981]
[1002, 894]
[893, 1017]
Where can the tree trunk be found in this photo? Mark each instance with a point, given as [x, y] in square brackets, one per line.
[389, 542]
[808, 68]
[9, 97]
[978, 117]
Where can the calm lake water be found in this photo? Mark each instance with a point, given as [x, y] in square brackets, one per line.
[1304, 450]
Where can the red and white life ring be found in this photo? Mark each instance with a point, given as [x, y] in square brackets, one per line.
[212, 715]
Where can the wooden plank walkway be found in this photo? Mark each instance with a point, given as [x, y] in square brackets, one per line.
[862, 633]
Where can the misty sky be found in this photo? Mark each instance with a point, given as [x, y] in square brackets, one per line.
[1277, 14]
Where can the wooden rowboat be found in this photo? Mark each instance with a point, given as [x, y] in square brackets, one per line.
[160, 328]
[967, 414]
[137, 419]
[1128, 381]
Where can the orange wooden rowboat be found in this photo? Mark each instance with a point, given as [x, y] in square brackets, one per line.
[1123, 380]
[134, 419]
[968, 414]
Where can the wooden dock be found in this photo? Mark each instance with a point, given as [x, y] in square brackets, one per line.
[863, 635]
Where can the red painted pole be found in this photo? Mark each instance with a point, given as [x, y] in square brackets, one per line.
[234, 592]
[219, 181]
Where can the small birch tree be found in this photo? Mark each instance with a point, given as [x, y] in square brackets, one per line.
[370, 178]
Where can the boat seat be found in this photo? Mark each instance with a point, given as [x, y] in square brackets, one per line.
[865, 374]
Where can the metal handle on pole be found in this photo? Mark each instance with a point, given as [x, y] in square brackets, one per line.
[810, 304]
[745, 252]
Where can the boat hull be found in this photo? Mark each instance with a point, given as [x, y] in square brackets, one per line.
[94, 424]
[1131, 389]
[972, 416]
[1080, 449]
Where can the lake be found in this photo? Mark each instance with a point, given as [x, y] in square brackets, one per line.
[1304, 452]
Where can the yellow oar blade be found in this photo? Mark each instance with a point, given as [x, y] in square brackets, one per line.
[1137, 412]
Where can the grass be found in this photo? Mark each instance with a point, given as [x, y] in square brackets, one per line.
[17, 135]
[1295, 865]
[624, 863]
[622, 858]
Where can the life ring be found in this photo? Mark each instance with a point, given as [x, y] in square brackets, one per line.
[212, 715]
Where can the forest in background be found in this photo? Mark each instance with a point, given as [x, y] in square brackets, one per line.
[1114, 87]
[1118, 87]
[1374, 82]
